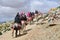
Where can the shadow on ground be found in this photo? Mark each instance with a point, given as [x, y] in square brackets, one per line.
[26, 32]
[51, 25]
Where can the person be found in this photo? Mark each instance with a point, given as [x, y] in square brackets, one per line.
[36, 15]
[23, 17]
[16, 25]
[32, 13]
[23, 21]
[36, 12]
[17, 19]
[29, 14]
[29, 17]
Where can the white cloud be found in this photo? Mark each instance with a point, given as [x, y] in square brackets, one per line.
[37, 3]
[50, 4]
[9, 8]
[13, 3]
[44, 5]
[7, 13]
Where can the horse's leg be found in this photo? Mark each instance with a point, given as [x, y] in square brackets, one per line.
[30, 22]
[19, 32]
[53, 20]
[16, 33]
[25, 29]
[12, 32]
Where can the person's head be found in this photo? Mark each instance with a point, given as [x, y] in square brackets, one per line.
[22, 13]
[17, 14]
[36, 12]
[32, 13]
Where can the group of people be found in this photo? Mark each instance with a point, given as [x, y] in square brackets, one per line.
[21, 20]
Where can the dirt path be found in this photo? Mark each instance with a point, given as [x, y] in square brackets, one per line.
[37, 32]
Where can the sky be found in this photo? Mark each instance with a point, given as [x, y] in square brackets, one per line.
[9, 8]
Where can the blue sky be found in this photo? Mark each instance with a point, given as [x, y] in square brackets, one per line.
[9, 8]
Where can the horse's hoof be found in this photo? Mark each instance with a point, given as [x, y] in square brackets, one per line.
[15, 36]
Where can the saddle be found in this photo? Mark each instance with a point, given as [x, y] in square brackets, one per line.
[16, 26]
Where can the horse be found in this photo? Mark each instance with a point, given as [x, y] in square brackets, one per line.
[17, 28]
[23, 26]
[30, 17]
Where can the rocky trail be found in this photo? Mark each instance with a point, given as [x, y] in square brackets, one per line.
[37, 32]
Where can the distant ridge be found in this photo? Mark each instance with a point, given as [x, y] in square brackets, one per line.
[2, 22]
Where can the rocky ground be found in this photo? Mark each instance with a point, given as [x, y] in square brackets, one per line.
[37, 32]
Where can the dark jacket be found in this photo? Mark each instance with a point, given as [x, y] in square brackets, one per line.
[23, 17]
[17, 19]
[36, 12]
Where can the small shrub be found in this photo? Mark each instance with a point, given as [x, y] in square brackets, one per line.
[8, 29]
[0, 33]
